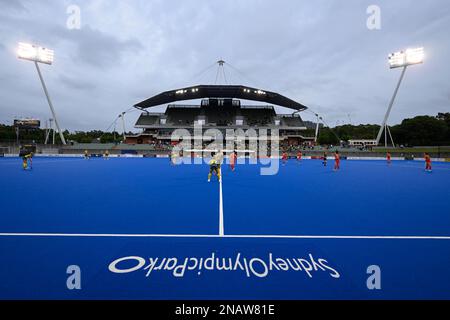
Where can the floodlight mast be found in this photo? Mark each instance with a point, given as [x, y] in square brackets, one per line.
[316, 136]
[391, 103]
[38, 55]
[401, 59]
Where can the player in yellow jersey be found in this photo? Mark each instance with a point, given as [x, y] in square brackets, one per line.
[215, 165]
[25, 159]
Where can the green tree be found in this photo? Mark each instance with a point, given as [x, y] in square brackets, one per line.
[326, 136]
[421, 131]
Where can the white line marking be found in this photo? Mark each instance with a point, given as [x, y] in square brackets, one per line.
[118, 235]
[19, 164]
[221, 223]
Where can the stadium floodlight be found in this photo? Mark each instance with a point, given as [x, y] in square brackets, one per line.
[406, 58]
[401, 59]
[38, 54]
[35, 53]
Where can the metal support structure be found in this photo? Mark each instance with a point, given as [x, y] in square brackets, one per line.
[17, 135]
[317, 129]
[50, 103]
[54, 134]
[48, 130]
[386, 117]
[390, 135]
[385, 136]
[221, 69]
[123, 125]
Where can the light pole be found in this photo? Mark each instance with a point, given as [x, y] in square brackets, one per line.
[38, 55]
[401, 59]
[316, 136]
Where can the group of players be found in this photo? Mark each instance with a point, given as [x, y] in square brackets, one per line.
[426, 157]
[217, 158]
[337, 159]
[27, 158]
[87, 156]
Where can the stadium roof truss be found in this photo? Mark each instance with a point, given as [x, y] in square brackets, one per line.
[220, 91]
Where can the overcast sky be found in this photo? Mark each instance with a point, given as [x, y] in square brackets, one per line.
[319, 53]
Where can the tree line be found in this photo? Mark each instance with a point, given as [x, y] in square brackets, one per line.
[8, 134]
[417, 131]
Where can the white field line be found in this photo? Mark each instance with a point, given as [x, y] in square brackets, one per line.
[118, 235]
[19, 163]
[221, 222]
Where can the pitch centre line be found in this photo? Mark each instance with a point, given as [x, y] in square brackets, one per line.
[221, 222]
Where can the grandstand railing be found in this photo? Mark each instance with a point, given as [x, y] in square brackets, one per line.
[184, 106]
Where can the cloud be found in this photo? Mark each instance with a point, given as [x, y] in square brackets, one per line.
[77, 84]
[318, 53]
[13, 6]
[96, 48]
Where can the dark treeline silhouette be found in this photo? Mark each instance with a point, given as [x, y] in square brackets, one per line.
[8, 134]
[418, 131]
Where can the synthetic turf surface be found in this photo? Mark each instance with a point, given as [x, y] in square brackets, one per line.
[123, 198]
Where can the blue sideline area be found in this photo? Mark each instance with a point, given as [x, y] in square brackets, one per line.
[144, 229]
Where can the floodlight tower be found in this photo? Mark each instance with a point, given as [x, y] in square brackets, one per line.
[316, 136]
[401, 59]
[38, 55]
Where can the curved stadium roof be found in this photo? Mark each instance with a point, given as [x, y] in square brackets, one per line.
[220, 91]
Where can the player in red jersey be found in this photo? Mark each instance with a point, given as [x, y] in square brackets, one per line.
[337, 161]
[427, 162]
[284, 157]
[388, 158]
[299, 156]
[233, 159]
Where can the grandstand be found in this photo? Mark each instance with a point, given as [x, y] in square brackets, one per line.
[220, 108]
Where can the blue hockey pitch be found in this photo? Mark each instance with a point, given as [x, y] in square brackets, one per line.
[143, 229]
